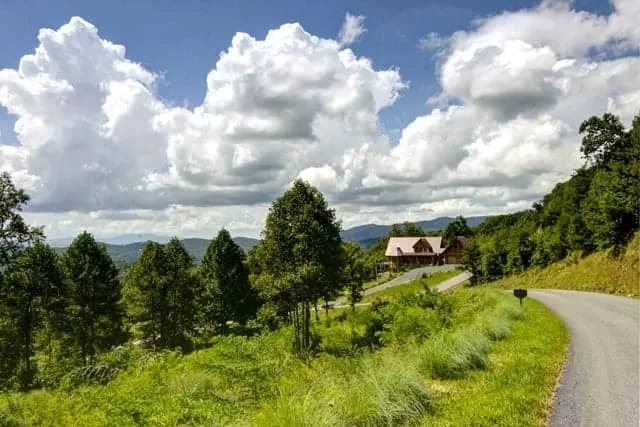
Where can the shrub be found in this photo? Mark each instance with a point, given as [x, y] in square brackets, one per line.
[410, 323]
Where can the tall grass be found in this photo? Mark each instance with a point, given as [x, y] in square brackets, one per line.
[257, 381]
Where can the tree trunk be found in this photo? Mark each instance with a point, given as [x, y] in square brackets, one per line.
[315, 306]
[26, 335]
[296, 328]
[306, 331]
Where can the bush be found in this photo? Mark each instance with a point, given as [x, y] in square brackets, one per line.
[267, 316]
[340, 340]
[410, 323]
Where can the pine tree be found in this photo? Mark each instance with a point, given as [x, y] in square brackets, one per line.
[95, 291]
[145, 295]
[160, 290]
[227, 291]
[183, 285]
[33, 297]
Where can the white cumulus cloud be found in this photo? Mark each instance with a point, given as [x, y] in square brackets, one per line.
[98, 149]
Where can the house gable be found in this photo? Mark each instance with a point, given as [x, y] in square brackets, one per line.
[422, 245]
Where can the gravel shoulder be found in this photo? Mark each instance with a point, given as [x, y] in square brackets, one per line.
[600, 382]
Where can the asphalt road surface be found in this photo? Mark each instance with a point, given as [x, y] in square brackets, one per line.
[408, 277]
[600, 383]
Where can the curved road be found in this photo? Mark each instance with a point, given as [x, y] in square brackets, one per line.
[409, 276]
[600, 382]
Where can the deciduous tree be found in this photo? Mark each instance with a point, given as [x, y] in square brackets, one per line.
[300, 254]
[457, 227]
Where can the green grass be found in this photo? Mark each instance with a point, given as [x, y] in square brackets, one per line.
[598, 272]
[517, 390]
[412, 287]
[438, 352]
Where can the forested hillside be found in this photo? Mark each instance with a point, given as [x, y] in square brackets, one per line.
[597, 208]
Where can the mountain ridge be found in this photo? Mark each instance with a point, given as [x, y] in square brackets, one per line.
[127, 252]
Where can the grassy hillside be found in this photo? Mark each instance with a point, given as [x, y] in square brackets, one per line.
[415, 360]
[598, 272]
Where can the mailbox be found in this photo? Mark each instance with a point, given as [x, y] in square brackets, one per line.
[520, 293]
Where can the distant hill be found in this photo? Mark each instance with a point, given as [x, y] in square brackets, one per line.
[367, 234]
[127, 247]
[127, 253]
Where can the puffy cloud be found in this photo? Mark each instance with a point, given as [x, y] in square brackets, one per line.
[97, 143]
[95, 136]
[352, 28]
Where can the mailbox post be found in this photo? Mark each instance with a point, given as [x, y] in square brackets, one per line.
[520, 294]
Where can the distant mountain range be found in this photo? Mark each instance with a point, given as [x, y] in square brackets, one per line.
[127, 247]
[129, 252]
[369, 233]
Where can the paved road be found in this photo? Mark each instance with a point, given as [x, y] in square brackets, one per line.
[599, 385]
[454, 281]
[408, 277]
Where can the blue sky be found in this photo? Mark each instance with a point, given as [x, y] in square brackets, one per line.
[104, 145]
[182, 39]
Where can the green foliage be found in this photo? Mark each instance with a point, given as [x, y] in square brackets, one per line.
[300, 257]
[598, 208]
[597, 272]
[412, 287]
[15, 234]
[227, 293]
[159, 295]
[256, 381]
[456, 228]
[454, 356]
[471, 259]
[33, 300]
[95, 314]
[354, 271]
[183, 286]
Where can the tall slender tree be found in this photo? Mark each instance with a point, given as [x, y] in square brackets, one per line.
[146, 295]
[159, 295]
[354, 271]
[32, 295]
[227, 291]
[95, 292]
[301, 254]
[183, 285]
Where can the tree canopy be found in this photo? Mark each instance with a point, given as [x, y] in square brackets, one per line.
[300, 254]
[597, 208]
[227, 293]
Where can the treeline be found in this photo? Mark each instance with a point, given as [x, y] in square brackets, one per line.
[62, 313]
[597, 208]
